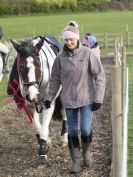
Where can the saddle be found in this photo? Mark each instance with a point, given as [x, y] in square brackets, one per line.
[55, 45]
[53, 42]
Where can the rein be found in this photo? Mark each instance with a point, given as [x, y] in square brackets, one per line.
[20, 99]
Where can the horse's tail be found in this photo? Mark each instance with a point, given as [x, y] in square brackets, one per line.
[58, 114]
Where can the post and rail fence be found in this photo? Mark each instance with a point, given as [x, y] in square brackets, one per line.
[106, 39]
[119, 110]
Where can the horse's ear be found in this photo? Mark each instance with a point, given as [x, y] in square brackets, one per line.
[40, 43]
[15, 44]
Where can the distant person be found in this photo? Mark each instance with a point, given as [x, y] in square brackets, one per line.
[82, 77]
[4, 52]
[90, 41]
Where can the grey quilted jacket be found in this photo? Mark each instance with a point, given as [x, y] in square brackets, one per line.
[81, 75]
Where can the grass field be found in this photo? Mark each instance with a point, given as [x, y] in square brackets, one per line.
[29, 26]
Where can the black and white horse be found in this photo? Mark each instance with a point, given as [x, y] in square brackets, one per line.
[35, 60]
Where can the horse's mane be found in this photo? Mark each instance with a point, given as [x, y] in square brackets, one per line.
[27, 48]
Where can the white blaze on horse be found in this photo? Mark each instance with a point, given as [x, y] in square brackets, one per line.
[35, 60]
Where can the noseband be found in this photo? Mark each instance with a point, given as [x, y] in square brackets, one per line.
[28, 84]
[38, 105]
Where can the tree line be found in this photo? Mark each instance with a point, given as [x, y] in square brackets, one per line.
[23, 7]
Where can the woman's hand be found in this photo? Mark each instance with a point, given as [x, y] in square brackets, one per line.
[46, 104]
[96, 106]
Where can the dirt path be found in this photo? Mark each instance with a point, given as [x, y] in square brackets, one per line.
[18, 145]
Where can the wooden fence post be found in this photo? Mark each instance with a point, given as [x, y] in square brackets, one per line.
[116, 52]
[127, 36]
[127, 39]
[125, 112]
[123, 76]
[105, 40]
[117, 121]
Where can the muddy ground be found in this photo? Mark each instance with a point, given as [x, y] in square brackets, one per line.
[18, 145]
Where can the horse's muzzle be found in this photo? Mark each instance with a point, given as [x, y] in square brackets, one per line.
[34, 100]
[37, 103]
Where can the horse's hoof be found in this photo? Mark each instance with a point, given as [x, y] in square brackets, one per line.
[42, 160]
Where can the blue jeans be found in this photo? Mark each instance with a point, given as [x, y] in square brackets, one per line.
[86, 115]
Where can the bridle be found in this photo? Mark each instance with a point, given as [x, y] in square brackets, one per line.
[37, 104]
[28, 84]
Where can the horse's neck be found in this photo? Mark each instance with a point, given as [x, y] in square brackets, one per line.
[47, 57]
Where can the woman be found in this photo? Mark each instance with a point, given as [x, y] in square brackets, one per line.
[76, 68]
[90, 41]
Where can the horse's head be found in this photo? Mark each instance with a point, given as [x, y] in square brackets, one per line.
[29, 66]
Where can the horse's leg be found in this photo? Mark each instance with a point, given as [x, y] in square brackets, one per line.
[42, 143]
[59, 114]
[44, 133]
[64, 131]
[37, 125]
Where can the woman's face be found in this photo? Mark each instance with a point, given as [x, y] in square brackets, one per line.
[71, 43]
[85, 41]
